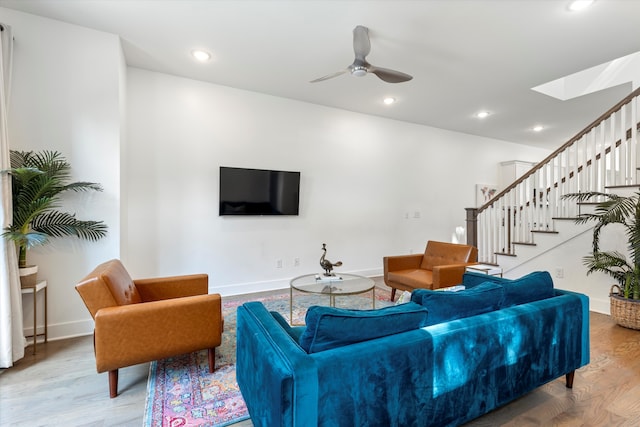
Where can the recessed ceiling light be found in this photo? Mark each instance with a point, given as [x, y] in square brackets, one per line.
[579, 5]
[482, 114]
[389, 100]
[537, 128]
[201, 55]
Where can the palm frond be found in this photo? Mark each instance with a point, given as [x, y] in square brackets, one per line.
[61, 224]
[27, 240]
[613, 264]
[82, 186]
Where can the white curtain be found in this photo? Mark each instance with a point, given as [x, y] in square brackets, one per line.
[12, 341]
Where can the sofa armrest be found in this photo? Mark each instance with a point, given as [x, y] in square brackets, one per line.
[401, 262]
[278, 380]
[172, 287]
[448, 275]
[586, 337]
[137, 333]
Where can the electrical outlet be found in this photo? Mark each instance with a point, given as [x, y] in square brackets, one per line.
[279, 263]
[559, 273]
[296, 262]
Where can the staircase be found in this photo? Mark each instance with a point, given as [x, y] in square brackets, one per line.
[530, 217]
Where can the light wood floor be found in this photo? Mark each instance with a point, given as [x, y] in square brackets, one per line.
[60, 387]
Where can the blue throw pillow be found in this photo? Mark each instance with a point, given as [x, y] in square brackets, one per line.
[445, 306]
[471, 279]
[330, 327]
[532, 287]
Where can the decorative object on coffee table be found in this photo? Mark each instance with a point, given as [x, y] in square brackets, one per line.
[326, 264]
[625, 211]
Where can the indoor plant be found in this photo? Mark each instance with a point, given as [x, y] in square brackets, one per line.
[625, 211]
[38, 181]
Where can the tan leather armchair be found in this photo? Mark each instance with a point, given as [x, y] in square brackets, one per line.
[441, 265]
[138, 321]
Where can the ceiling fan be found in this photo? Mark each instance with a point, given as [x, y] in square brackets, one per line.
[360, 66]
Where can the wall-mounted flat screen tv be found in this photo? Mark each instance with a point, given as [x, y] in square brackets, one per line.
[258, 192]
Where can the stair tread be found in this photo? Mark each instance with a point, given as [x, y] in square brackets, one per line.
[524, 243]
[505, 254]
[544, 231]
[623, 186]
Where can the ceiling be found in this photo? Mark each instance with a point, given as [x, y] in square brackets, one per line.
[465, 55]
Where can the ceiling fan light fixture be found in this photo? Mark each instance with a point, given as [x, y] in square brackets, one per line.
[389, 100]
[359, 71]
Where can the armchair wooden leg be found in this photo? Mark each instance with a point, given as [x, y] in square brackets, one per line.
[113, 383]
[212, 359]
[393, 293]
[569, 378]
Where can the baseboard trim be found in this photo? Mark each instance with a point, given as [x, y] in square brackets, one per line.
[274, 285]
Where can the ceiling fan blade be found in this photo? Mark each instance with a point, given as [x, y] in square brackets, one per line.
[361, 42]
[389, 76]
[329, 76]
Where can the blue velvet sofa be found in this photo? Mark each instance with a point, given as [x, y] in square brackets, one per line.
[446, 373]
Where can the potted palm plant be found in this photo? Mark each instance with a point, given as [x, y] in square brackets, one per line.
[38, 180]
[625, 211]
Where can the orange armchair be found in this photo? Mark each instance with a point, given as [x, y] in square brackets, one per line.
[441, 265]
[137, 321]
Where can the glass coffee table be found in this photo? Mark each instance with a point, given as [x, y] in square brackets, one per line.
[332, 286]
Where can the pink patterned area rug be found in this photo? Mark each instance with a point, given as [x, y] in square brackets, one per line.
[182, 392]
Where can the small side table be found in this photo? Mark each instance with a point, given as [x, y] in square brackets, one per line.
[34, 290]
[491, 270]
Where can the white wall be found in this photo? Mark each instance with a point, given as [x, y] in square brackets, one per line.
[360, 177]
[156, 145]
[65, 97]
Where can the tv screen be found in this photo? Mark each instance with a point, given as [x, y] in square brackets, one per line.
[258, 192]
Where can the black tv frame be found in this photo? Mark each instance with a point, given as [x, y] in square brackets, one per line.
[258, 192]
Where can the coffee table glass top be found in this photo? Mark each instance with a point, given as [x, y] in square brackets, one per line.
[341, 284]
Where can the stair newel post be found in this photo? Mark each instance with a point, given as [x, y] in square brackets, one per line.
[472, 227]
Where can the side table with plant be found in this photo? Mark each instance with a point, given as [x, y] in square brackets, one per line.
[623, 210]
[38, 181]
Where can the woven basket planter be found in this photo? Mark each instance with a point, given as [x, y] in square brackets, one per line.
[624, 311]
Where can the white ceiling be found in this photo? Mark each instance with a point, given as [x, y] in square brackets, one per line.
[465, 55]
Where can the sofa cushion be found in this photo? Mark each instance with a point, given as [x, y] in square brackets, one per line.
[414, 277]
[532, 287]
[444, 306]
[330, 327]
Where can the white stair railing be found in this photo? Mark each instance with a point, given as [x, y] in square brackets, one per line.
[604, 154]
